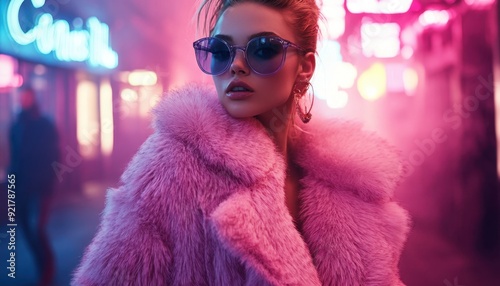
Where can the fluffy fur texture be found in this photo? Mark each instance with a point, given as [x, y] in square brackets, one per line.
[202, 203]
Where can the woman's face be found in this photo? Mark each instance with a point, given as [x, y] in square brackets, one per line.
[268, 93]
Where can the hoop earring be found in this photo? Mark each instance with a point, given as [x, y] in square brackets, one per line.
[304, 112]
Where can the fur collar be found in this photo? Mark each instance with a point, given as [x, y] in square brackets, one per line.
[368, 165]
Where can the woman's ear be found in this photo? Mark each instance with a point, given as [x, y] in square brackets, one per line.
[306, 67]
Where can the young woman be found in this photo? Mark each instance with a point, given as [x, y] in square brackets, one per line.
[234, 190]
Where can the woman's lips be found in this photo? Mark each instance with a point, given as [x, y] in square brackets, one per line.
[238, 90]
[238, 95]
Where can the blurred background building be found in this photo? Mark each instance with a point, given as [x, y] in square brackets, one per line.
[423, 73]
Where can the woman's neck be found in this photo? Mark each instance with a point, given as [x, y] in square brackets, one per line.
[278, 123]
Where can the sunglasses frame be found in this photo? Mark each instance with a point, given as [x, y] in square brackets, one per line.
[232, 52]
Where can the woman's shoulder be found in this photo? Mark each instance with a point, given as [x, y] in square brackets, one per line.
[187, 108]
[193, 130]
[193, 113]
[345, 155]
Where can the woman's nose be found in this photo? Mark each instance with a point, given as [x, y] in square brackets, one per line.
[239, 64]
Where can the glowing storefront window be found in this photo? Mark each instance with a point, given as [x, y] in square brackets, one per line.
[87, 118]
[107, 124]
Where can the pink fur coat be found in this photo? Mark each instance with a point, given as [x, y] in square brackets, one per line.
[202, 203]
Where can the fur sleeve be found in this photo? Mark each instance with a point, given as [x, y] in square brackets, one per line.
[395, 225]
[125, 251]
[147, 223]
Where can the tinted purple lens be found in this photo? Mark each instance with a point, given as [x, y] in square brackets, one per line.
[265, 55]
[213, 55]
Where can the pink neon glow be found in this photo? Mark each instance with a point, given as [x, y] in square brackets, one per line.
[480, 3]
[7, 71]
[395, 80]
[372, 83]
[380, 40]
[378, 6]
[434, 18]
[407, 52]
[338, 100]
[410, 80]
[334, 13]
[18, 81]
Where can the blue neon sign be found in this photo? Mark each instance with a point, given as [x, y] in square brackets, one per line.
[89, 45]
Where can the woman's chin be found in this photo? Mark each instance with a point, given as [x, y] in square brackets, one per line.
[240, 114]
[240, 111]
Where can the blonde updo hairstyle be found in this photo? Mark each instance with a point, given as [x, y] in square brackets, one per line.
[302, 17]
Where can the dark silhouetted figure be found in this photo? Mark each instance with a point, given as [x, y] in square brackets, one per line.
[34, 146]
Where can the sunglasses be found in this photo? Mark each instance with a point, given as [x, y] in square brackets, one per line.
[265, 55]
